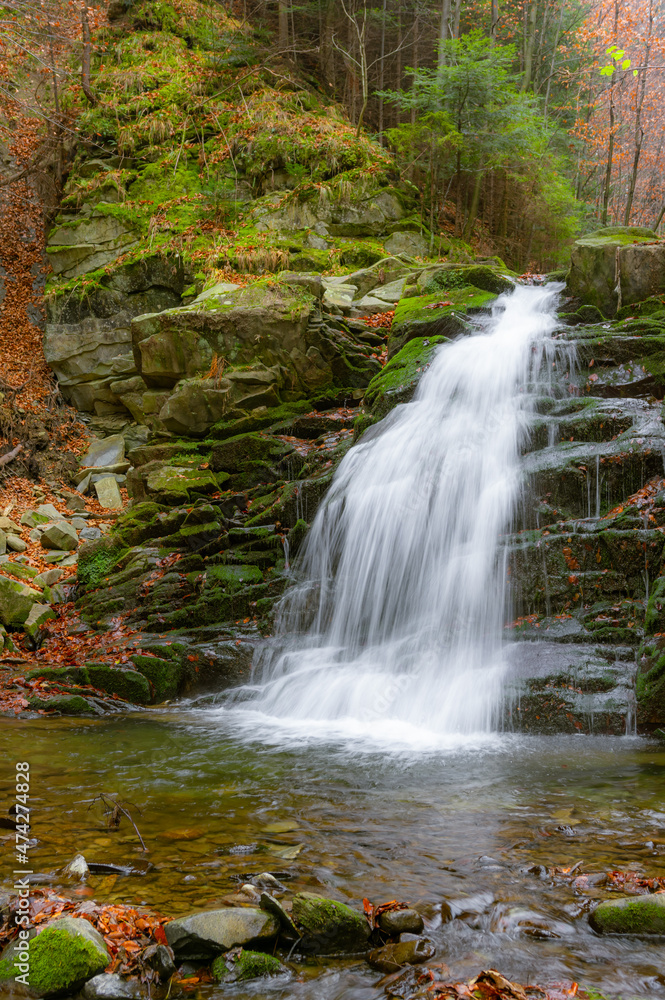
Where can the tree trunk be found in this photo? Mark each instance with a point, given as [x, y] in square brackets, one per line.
[639, 131]
[494, 22]
[283, 8]
[382, 65]
[444, 31]
[529, 42]
[85, 59]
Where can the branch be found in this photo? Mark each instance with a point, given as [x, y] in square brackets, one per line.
[10, 455]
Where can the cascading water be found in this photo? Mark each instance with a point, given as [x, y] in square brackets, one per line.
[396, 624]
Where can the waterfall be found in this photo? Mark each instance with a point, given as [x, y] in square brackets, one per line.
[396, 621]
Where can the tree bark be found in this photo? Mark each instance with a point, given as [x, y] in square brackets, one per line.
[85, 60]
[639, 131]
[283, 15]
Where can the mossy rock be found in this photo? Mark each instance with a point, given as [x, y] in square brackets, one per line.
[639, 915]
[423, 316]
[164, 675]
[258, 419]
[127, 684]
[60, 675]
[329, 927]
[97, 560]
[397, 381]
[247, 965]
[592, 278]
[66, 704]
[63, 957]
[232, 578]
[449, 278]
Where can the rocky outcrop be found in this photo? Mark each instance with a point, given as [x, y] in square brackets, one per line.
[617, 266]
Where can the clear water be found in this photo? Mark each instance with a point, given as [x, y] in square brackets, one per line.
[393, 630]
[459, 825]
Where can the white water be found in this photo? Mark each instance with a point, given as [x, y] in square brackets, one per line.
[395, 630]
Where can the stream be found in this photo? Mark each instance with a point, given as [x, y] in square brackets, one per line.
[454, 830]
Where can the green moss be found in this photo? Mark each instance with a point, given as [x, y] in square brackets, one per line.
[78, 675]
[97, 560]
[619, 236]
[641, 915]
[59, 961]
[233, 578]
[164, 675]
[127, 684]
[397, 381]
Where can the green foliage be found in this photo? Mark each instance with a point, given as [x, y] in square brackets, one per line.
[471, 119]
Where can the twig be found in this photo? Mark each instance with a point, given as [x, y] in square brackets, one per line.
[105, 800]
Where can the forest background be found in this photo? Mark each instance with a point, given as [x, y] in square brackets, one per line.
[520, 122]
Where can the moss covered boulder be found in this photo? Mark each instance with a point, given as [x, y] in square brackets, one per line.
[246, 965]
[329, 927]
[130, 685]
[16, 601]
[396, 383]
[616, 266]
[631, 915]
[60, 959]
[440, 314]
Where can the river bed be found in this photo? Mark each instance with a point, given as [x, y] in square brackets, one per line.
[459, 826]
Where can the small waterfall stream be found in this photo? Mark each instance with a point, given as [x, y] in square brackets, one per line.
[394, 627]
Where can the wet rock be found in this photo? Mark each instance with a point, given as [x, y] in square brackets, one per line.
[206, 934]
[59, 536]
[272, 905]
[128, 684]
[111, 986]
[160, 958]
[329, 927]
[77, 868]
[401, 922]
[16, 600]
[66, 704]
[246, 965]
[630, 915]
[66, 953]
[393, 957]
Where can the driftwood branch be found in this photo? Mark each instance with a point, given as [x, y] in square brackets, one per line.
[10, 455]
[112, 809]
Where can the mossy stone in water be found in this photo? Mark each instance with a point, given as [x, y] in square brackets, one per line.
[630, 915]
[64, 956]
[247, 965]
[128, 684]
[329, 927]
[164, 675]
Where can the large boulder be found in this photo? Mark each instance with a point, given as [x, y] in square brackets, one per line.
[615, 266]
[65, 954]
[269, 323]
[16, 601]
[329, 927]
[630, 915]
[208, 933]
